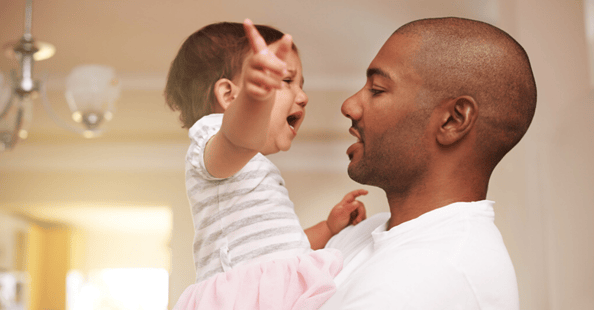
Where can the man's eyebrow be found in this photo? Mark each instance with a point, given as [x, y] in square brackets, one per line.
[376, 71]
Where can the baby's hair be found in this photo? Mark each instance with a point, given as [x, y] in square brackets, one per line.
[214, 52]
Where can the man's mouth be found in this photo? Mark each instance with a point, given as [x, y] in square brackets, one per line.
[356, 145]
[293, 119]
[356, 134]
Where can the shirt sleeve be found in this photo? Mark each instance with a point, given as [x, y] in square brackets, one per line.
[200, 134]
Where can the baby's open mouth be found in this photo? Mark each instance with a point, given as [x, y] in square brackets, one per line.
[294, 118]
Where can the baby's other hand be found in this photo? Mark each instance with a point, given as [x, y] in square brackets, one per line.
[265, 68]
[348, 211]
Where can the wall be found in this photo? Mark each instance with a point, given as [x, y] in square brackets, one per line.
[143, 188]
[542, 188]
[47, 263]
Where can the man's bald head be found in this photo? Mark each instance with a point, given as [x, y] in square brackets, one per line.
[460, 57]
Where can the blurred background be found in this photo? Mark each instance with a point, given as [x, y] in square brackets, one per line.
[104, 223]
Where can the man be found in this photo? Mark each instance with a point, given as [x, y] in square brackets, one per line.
[445, 100]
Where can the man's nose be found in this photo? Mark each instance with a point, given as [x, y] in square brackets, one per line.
[351, 108]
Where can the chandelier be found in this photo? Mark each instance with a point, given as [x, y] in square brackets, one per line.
[91, 91]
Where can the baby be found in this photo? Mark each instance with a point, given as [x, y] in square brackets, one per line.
[239, 91]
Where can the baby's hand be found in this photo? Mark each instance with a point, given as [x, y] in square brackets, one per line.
[264, 70]
[348, 211]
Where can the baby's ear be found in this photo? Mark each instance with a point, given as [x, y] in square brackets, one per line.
[225, 92]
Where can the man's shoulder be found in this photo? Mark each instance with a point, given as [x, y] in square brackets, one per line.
[460, 264]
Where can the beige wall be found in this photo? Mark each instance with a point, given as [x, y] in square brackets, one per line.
[544, 185]
[542, 188]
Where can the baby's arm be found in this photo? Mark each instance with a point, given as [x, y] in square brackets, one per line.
[245, 122]
[348, 211]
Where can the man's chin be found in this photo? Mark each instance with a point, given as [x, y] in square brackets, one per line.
[356, 174]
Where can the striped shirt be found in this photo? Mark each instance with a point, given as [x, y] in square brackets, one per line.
[247, 217]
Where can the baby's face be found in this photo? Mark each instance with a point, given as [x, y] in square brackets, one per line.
[289, 108]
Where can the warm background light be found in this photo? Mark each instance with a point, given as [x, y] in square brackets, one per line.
[542, 189]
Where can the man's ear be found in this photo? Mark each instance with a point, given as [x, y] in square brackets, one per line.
[457, 118]
[225, 91]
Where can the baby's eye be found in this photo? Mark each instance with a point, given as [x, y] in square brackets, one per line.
[288, 81]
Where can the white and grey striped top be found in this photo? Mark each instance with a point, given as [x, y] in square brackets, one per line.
[244, 218]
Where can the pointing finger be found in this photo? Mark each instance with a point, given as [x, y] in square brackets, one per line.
[285, 45]
[257, 43]
[354, 194]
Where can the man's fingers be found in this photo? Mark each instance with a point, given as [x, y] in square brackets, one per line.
[257, 43]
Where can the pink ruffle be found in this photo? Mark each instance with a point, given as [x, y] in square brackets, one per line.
[301, 283]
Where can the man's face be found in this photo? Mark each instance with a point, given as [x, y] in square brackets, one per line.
[390, 125]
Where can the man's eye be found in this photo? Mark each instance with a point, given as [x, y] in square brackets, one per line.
[375, 92]
[288, 81]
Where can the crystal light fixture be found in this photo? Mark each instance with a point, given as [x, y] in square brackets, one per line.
[91, 91]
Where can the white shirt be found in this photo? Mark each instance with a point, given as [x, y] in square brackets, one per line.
[450, 258]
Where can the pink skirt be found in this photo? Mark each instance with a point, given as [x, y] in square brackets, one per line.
[301, 283]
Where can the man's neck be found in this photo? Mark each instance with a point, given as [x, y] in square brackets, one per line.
[407, 206]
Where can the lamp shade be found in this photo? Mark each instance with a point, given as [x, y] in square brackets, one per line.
[91, 93]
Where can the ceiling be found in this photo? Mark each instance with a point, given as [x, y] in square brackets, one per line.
[139, 38]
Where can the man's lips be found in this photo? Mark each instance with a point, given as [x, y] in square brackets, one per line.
[355, 133]
[355, 145]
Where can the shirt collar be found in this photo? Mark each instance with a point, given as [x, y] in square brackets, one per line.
[483, 208]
